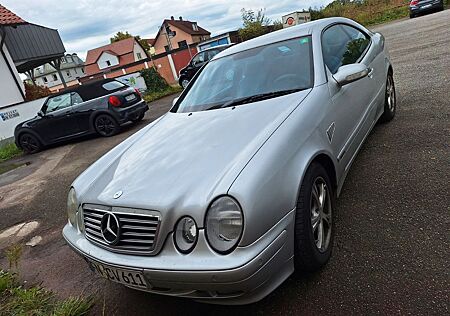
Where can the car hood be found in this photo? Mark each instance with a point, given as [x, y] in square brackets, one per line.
[184, 160]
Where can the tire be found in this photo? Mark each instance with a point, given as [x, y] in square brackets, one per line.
[139, 118]
[183, 82]
[390, 102]
[310, 252]
[29, 143]
[412, 16]
[106, 126]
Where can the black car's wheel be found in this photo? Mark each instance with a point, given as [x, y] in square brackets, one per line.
[29, 143]
[184, 82]
[390, 103]
[314, 231]
[106, 125]
[139, 118]
[412, 16]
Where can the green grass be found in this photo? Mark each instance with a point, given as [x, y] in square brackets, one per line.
[8, 151]
[152, 96]
[36, 301]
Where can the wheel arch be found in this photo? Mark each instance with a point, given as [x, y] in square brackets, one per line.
[29, 131]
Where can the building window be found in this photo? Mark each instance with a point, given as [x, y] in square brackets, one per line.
[45, 79]
[139, 56]
[182, 44]
[82, 70]
[167, 48]
[75, 69]
[108, 63]
[55, 77]
[68, 73]
[194, 26]
[63, 60]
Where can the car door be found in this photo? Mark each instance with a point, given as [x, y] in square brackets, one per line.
[342, 45]
[58, 121]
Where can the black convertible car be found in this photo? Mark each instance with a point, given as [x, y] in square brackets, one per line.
[100, 107]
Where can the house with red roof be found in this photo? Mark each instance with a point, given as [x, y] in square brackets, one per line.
[178, 34]
[119, 54]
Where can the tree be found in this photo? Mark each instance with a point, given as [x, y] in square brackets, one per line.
[254, 25]
[124, 35]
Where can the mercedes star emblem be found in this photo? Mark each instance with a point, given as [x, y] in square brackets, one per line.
[110, 228]
[118, 194]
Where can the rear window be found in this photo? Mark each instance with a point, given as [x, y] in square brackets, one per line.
[113, 85]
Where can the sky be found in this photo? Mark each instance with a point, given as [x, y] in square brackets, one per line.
[86, 24]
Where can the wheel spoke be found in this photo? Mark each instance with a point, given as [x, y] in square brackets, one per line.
[315, 220]
[319, 241]
[322, 195]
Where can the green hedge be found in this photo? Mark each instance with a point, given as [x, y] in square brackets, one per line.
[153, 80]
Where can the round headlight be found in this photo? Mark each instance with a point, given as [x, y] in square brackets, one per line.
[224, 224]
[185, 236]
[72, 206]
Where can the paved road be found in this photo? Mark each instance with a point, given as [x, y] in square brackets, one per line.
[392, 245]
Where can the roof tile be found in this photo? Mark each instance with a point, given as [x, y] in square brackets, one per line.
[9, 18]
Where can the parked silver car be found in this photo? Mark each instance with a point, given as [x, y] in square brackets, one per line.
[223, 197]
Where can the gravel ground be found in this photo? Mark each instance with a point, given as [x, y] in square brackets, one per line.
[392, 243]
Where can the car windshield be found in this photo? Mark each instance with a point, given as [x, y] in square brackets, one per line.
[251, 75]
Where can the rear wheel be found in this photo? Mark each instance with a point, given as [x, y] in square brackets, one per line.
[314, 231]
[29, 143]
[184, 82]
[390, 103]
[106, 125]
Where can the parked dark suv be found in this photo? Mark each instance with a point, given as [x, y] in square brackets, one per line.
[100, 107]
[197, 62]
[417, 7]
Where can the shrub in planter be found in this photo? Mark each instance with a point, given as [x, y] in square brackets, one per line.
[153, 80]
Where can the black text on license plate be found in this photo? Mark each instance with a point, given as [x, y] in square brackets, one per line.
[130, 97]
[128, 277]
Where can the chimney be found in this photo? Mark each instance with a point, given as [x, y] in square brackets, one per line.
[172, 18]
[181, 18]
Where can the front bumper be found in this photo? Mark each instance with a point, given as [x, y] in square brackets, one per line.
[242, 277]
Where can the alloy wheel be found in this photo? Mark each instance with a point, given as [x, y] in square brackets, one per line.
[321, 214]
[105, 125]
[29, 143]
[390, 91]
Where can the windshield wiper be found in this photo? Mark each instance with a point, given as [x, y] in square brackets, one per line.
[254, 98]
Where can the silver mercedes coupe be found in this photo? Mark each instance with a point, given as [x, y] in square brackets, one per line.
[233, 189]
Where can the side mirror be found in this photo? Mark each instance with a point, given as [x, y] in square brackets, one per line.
[350, 73]
[175, 101]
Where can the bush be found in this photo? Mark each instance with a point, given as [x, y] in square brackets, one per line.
[152, 96]
[153, 80]
[34, 92]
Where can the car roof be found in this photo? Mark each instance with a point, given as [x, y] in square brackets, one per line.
[222, 46]
[304, 29]
[84, 87]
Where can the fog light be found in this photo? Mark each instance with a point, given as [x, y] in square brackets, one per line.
[185, 236]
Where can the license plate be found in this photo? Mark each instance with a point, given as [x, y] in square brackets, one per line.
[127, 277]
[130, 97]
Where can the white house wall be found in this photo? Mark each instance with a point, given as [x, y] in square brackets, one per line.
[9, 92]
[138, 49]
[114, 60]
[51, 83]
[13, 115]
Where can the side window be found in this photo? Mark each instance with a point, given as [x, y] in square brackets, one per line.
[198, 59]
[76, 98]
[342, 45]
[212, 53]
[57, 103]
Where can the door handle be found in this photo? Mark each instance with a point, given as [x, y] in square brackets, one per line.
[370, 74]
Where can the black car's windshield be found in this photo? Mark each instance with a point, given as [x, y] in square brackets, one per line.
[251, 75]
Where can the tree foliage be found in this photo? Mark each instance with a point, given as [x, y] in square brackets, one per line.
[254, 24]
[124, 35]
[34, 92]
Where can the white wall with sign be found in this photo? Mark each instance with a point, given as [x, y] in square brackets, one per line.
[134, 80]
[295, 18]
[10, 116]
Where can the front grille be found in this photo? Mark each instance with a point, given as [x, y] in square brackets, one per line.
[138, 228]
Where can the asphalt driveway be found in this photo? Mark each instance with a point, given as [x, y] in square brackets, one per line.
[392, 244]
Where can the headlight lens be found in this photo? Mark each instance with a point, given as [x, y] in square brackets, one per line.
[186, 233]
[72, 206]
[224, 224]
